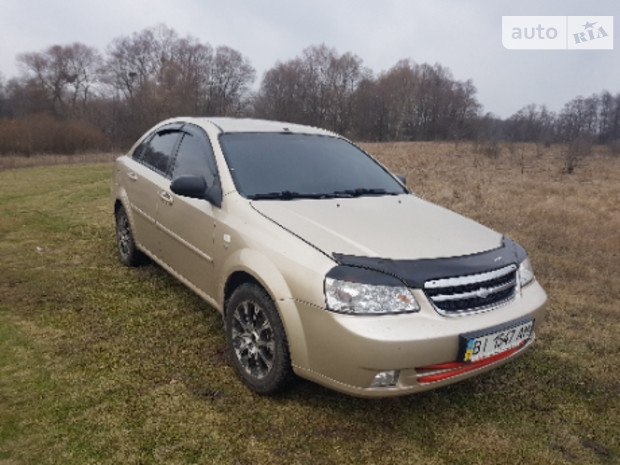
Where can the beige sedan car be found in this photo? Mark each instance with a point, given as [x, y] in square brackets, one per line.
[323, 264]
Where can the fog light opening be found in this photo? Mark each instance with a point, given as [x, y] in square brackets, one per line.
[386, 378]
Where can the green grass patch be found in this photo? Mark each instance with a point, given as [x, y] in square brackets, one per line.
[101, 364]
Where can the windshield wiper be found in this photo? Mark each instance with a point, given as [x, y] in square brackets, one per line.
[291, 195]
[362, 191]
[286, 195]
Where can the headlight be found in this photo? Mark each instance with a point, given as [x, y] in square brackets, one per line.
[526, 274]
[364, 292]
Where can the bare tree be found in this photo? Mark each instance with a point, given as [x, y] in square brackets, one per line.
[330, 81]
[230, 78]
[48, 70]
[412, 101]
[464, 112]
[154, 74]
[317, 88]
[84, 66]
[399, 88]
[579, 118]
[189, 76]
[609, 117]
[371, 112]
[282, 93]
[3, 106]
[531, 123]
[64, 74]
[344, 76]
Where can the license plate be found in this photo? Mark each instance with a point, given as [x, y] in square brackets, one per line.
[487, 343]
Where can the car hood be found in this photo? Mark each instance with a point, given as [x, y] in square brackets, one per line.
[392, 227]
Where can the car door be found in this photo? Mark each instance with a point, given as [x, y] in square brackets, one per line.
[145, 175]
[187, 224]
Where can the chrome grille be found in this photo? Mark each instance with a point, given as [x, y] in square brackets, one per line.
[472, 293]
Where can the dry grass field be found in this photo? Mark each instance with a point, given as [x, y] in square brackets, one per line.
[104, 364]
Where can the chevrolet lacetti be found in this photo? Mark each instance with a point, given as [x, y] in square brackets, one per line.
[322, 263]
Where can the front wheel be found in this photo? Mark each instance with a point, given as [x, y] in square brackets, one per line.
[256, 340]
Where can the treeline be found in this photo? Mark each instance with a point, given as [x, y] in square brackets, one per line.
[74, 98]
[595, 118]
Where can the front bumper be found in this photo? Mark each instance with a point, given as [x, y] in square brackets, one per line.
[346, 352]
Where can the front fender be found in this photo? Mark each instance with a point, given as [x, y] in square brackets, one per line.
[267, 274]
[260, 268]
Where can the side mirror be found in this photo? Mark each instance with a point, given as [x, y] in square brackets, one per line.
[401, 178]
[190, 186]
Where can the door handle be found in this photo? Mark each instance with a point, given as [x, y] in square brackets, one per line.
[166, 197]
[133, 176]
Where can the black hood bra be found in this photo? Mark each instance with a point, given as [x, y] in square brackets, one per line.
[414, 273]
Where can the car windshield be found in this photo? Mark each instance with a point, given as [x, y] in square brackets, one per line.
[288, 166]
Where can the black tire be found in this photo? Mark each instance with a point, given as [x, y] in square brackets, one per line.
[256, 340]
[128, 253]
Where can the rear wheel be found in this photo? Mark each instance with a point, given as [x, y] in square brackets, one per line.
[128, 253]
[256, 340]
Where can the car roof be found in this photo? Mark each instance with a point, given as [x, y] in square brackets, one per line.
[231, 125]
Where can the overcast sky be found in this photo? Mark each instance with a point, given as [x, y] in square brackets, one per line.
[463, 35]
